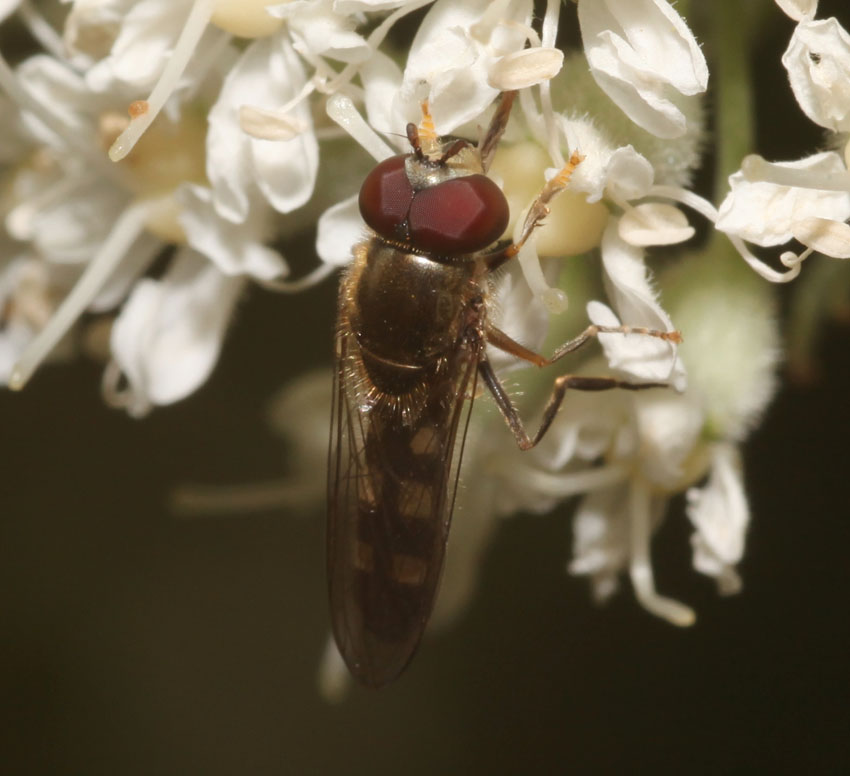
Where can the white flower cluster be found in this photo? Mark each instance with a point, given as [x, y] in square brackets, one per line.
[98, 180]
[808, 200]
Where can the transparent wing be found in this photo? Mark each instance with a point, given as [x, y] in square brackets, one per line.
[391, 489]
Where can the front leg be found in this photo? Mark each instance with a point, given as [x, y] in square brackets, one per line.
[499, 339]
[536, 213]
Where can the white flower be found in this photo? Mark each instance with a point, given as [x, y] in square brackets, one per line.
[720, 513]
[452, 54]
[618, 172]
[808, 200]
[770, 203]
[168, 336]
[621, 175]
[74, 207]
[656, 443]
[27, 293]
[91, 27]
[818, 65]
[637, 304]
[341, 227]
[267, 75]
[642, 54]
[236, 248]
[145, 34]
[317, 29]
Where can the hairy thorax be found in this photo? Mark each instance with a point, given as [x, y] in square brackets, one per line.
[409, 315]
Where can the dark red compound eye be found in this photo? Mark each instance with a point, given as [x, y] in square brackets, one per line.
[462, 215]
[385, 198]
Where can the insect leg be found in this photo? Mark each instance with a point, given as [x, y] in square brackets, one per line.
[562, 383]
[487, 146]
[499, 339]
[536, 213]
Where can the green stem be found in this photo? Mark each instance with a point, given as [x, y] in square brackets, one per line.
[733, 94]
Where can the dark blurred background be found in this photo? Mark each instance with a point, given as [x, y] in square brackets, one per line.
[135, 642]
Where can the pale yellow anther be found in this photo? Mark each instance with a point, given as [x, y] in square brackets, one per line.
[245, 18]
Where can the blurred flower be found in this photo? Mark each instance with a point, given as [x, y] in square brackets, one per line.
[232, 150]
[808, 199]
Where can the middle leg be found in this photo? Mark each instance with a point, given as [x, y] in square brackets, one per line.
[562, 383]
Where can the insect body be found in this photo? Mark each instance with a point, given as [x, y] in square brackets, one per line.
[410, 346]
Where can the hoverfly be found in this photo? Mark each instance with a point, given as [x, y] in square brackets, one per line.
[410, 347]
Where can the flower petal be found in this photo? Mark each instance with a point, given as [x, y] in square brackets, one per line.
[169, 334]
[236, 248]
[640, 356]
[451, 55]
[828, 237]
[267, 75]
[766, 199]
[317, 30]
[818, 65]
[628, 174]
[601, 539]
[340, 228]
[720, 514]
[381, 79]
[799, 9]
[638, 51]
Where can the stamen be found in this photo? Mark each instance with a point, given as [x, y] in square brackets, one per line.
[705, 208]
[756, 169]
[311, 279]
[553, 299]
[533, 118]
[217, 54]
[640, 568]
[567, 484]
[373, 41]
[493, 16]
[341, 109]
[791, 259]
[191, 33]
[759, 266]
[306, 90]
[549, 33]
[124, 233]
